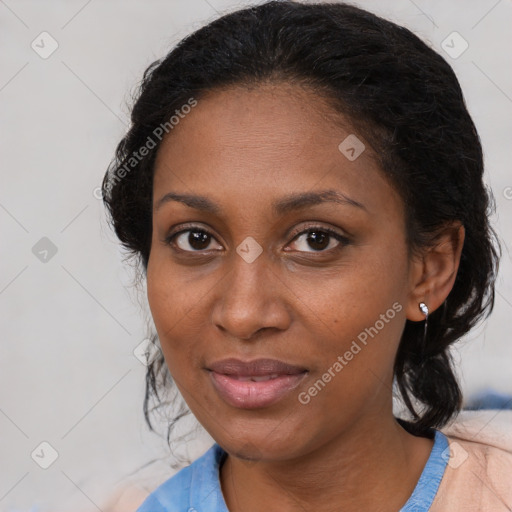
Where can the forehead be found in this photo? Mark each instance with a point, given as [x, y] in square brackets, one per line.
[282, 119]
[266, 141]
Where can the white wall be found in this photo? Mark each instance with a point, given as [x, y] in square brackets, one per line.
[68, 326]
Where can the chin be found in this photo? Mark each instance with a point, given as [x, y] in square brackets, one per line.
[260, 446]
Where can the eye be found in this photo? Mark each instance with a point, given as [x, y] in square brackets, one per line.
[317, 238]
[320, 239]
[191, 240]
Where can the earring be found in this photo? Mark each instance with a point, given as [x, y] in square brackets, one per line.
[424, 309]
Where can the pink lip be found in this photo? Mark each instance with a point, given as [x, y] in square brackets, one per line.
[232, 380]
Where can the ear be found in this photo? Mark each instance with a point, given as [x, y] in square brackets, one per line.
[433, 272]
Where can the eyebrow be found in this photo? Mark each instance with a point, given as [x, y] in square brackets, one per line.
[285, 205]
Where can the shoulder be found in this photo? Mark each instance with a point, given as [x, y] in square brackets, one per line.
[478, 473]
[176, 493]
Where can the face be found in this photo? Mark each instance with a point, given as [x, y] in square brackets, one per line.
[269, 242]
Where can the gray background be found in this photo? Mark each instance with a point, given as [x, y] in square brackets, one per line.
[69, 325]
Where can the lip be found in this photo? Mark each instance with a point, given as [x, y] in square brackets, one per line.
[273, 380]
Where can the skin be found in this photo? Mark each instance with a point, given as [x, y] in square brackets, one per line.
[244, 149]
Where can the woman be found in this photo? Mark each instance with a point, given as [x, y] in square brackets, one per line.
[302, 184]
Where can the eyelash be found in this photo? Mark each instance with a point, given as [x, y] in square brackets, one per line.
[169, 240]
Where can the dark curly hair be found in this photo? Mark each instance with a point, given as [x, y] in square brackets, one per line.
[403, 98]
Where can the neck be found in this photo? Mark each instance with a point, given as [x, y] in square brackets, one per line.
[374, 464]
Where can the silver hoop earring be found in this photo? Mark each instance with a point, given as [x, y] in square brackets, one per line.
[424, 309]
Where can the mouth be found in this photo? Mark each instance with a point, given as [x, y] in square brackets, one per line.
[254, 384]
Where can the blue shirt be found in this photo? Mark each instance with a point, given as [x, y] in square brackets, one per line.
[196, 488]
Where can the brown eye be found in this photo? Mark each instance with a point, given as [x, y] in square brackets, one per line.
[191, 240]
[320, 240]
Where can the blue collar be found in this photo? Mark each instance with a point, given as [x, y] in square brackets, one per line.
[206, 494]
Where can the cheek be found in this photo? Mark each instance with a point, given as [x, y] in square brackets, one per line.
[357, 315]
[353, 360]
[171, 300]
[353, 298]
[172, 294]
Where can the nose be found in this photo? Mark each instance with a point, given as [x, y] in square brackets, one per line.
[252, 298]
